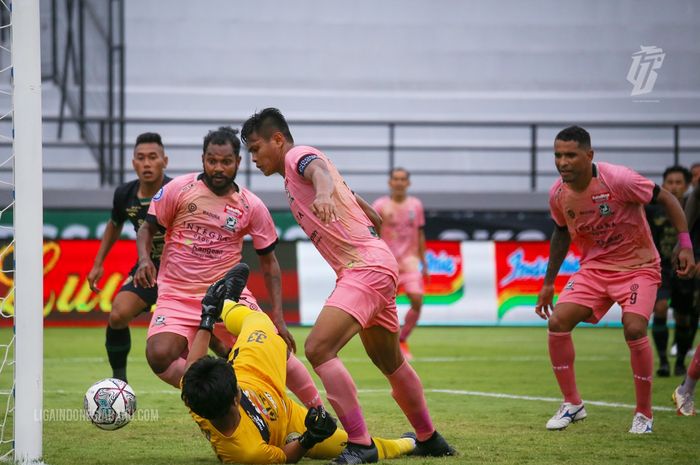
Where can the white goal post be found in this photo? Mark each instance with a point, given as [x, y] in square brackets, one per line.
[28, 222]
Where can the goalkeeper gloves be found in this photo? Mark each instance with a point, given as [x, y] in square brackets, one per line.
[320, 425]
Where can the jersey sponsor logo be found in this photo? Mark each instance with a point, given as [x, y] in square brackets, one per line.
[586, 212]
[597, 198]
[233, 211]
[206, 252]
[211, 215]
[256, 416]
[158, 195]
[191, 207]
[571, 214]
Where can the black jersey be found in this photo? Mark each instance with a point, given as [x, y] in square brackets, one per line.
[662, 231]
[128, 206]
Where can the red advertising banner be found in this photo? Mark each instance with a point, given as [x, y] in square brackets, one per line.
[446, 283]
[68, 300]
[520, 270]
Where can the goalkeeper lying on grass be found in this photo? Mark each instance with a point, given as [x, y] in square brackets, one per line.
[245, 412]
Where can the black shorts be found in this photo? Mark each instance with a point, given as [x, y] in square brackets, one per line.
[147, 294]
[680, 291]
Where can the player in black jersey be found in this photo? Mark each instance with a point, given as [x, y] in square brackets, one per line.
[131, 201]
[676, 179]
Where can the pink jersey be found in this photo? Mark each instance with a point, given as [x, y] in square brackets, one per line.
[351, 242]
[204, 234]
[607, 220]
[401, 223]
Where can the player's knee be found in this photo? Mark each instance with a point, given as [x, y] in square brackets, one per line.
[634, 331]
[118, 318]
[317, 352]
[160, 356]
[556, 325]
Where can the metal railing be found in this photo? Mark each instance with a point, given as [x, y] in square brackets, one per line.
[112, 156]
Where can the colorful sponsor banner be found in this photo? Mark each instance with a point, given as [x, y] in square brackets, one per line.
[446, 280]
[440, 225]
[520, 270]
[460, 290]
[68, 300]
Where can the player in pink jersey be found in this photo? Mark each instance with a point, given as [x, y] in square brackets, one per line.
[338, 223]
[402, 229]
[601, 208]
[205, 217]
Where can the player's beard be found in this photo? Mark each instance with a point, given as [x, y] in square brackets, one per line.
[219, 184]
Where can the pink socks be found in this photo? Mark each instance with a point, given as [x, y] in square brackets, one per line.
[173, 374]
[299, 381]
[408, 325]
[642, 367]
[407, 390]
[562, 355]
[342, 395]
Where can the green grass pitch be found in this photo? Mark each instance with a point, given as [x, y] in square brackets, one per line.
[462, 369]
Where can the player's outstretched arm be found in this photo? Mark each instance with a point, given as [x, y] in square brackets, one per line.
[674, 211]
[145, 275]
[558, 248]
[109, 237]
[323, 205]
[273, 282]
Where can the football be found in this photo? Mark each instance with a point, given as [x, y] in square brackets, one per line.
[110, 403]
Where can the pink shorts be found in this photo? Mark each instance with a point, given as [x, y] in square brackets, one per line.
[369, 296]
[635, 291]
[412, 282]
[182, 316]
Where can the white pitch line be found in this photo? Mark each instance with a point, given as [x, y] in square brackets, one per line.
[497, 395]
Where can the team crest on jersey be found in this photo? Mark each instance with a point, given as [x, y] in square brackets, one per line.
[231, 223]
[569, 286]
[160, 321]
[571, 214]
[158, 195]
[604, 209]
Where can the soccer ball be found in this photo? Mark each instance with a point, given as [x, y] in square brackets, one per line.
[110, 403]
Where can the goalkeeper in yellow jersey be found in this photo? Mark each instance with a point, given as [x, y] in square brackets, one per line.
[241, 404]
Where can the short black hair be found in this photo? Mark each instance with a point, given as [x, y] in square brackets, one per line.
[678, 169]
[222, 136]
[265, 123]
[577, 134]
[149, 138]
[398, 168]
[209, 387]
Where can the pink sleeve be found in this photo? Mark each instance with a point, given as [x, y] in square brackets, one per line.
[261, 227]
[421, 213]
[554, 209]
[164, 204]
[630, 186]
[295, 161]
